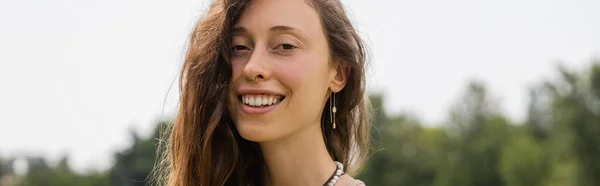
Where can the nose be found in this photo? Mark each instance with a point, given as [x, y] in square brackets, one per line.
[257, 68]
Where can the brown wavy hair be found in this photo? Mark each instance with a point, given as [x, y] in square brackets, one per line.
[203, 147]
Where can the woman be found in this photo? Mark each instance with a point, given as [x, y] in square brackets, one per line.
[272, 93]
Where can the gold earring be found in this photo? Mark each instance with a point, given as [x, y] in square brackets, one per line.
[332, 110]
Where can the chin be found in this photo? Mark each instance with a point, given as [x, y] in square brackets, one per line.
[257, 131]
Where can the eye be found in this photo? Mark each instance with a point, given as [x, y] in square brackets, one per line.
[285, 46]
[239, 47]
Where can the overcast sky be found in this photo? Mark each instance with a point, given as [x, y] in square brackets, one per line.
[76, 75]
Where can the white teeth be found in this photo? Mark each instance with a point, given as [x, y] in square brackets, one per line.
[260, 100]
[251, 101]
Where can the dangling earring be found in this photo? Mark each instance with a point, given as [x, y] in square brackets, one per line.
[332, 110]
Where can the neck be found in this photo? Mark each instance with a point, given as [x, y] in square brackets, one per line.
[300, 158]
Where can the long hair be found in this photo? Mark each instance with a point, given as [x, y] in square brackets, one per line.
[203, 146]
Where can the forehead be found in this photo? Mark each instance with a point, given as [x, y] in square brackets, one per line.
[261, 15]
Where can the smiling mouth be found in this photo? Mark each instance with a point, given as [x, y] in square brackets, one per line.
[260, 100]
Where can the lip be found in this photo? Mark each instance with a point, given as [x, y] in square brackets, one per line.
[257, 110]
[257, 91]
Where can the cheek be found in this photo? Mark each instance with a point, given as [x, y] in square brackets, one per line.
[306, 78]
[237, 72]
[291, 75]
[236, 68]
[302, 74]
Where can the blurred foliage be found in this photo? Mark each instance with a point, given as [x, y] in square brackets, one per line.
[134, 165]
[41, 174]
[556, 145]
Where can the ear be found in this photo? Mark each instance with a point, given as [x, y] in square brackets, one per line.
[338, 76]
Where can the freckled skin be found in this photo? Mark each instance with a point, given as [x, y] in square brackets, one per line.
[303, 74]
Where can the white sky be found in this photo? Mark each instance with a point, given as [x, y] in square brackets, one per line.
[75, 76]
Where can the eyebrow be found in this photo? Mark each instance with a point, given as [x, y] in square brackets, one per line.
[239, 30]
[280, 28]
[277, 28]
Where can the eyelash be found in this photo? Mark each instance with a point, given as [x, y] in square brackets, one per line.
[285, 46]
[239, 47]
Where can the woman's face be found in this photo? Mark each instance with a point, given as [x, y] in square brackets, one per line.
[281, 69]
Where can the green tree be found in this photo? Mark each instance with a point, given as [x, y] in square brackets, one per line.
[377, 163]
[522, 162]
[477, 132]
[5, 166]
[538, 115]
[412, 152]
[40, 174]
[134, 165]
[403, 150]
[575, 109]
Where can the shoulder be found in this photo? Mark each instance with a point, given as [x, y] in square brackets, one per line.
[347, 180]
[356, 183]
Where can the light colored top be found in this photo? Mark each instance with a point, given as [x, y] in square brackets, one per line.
[356, 183]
